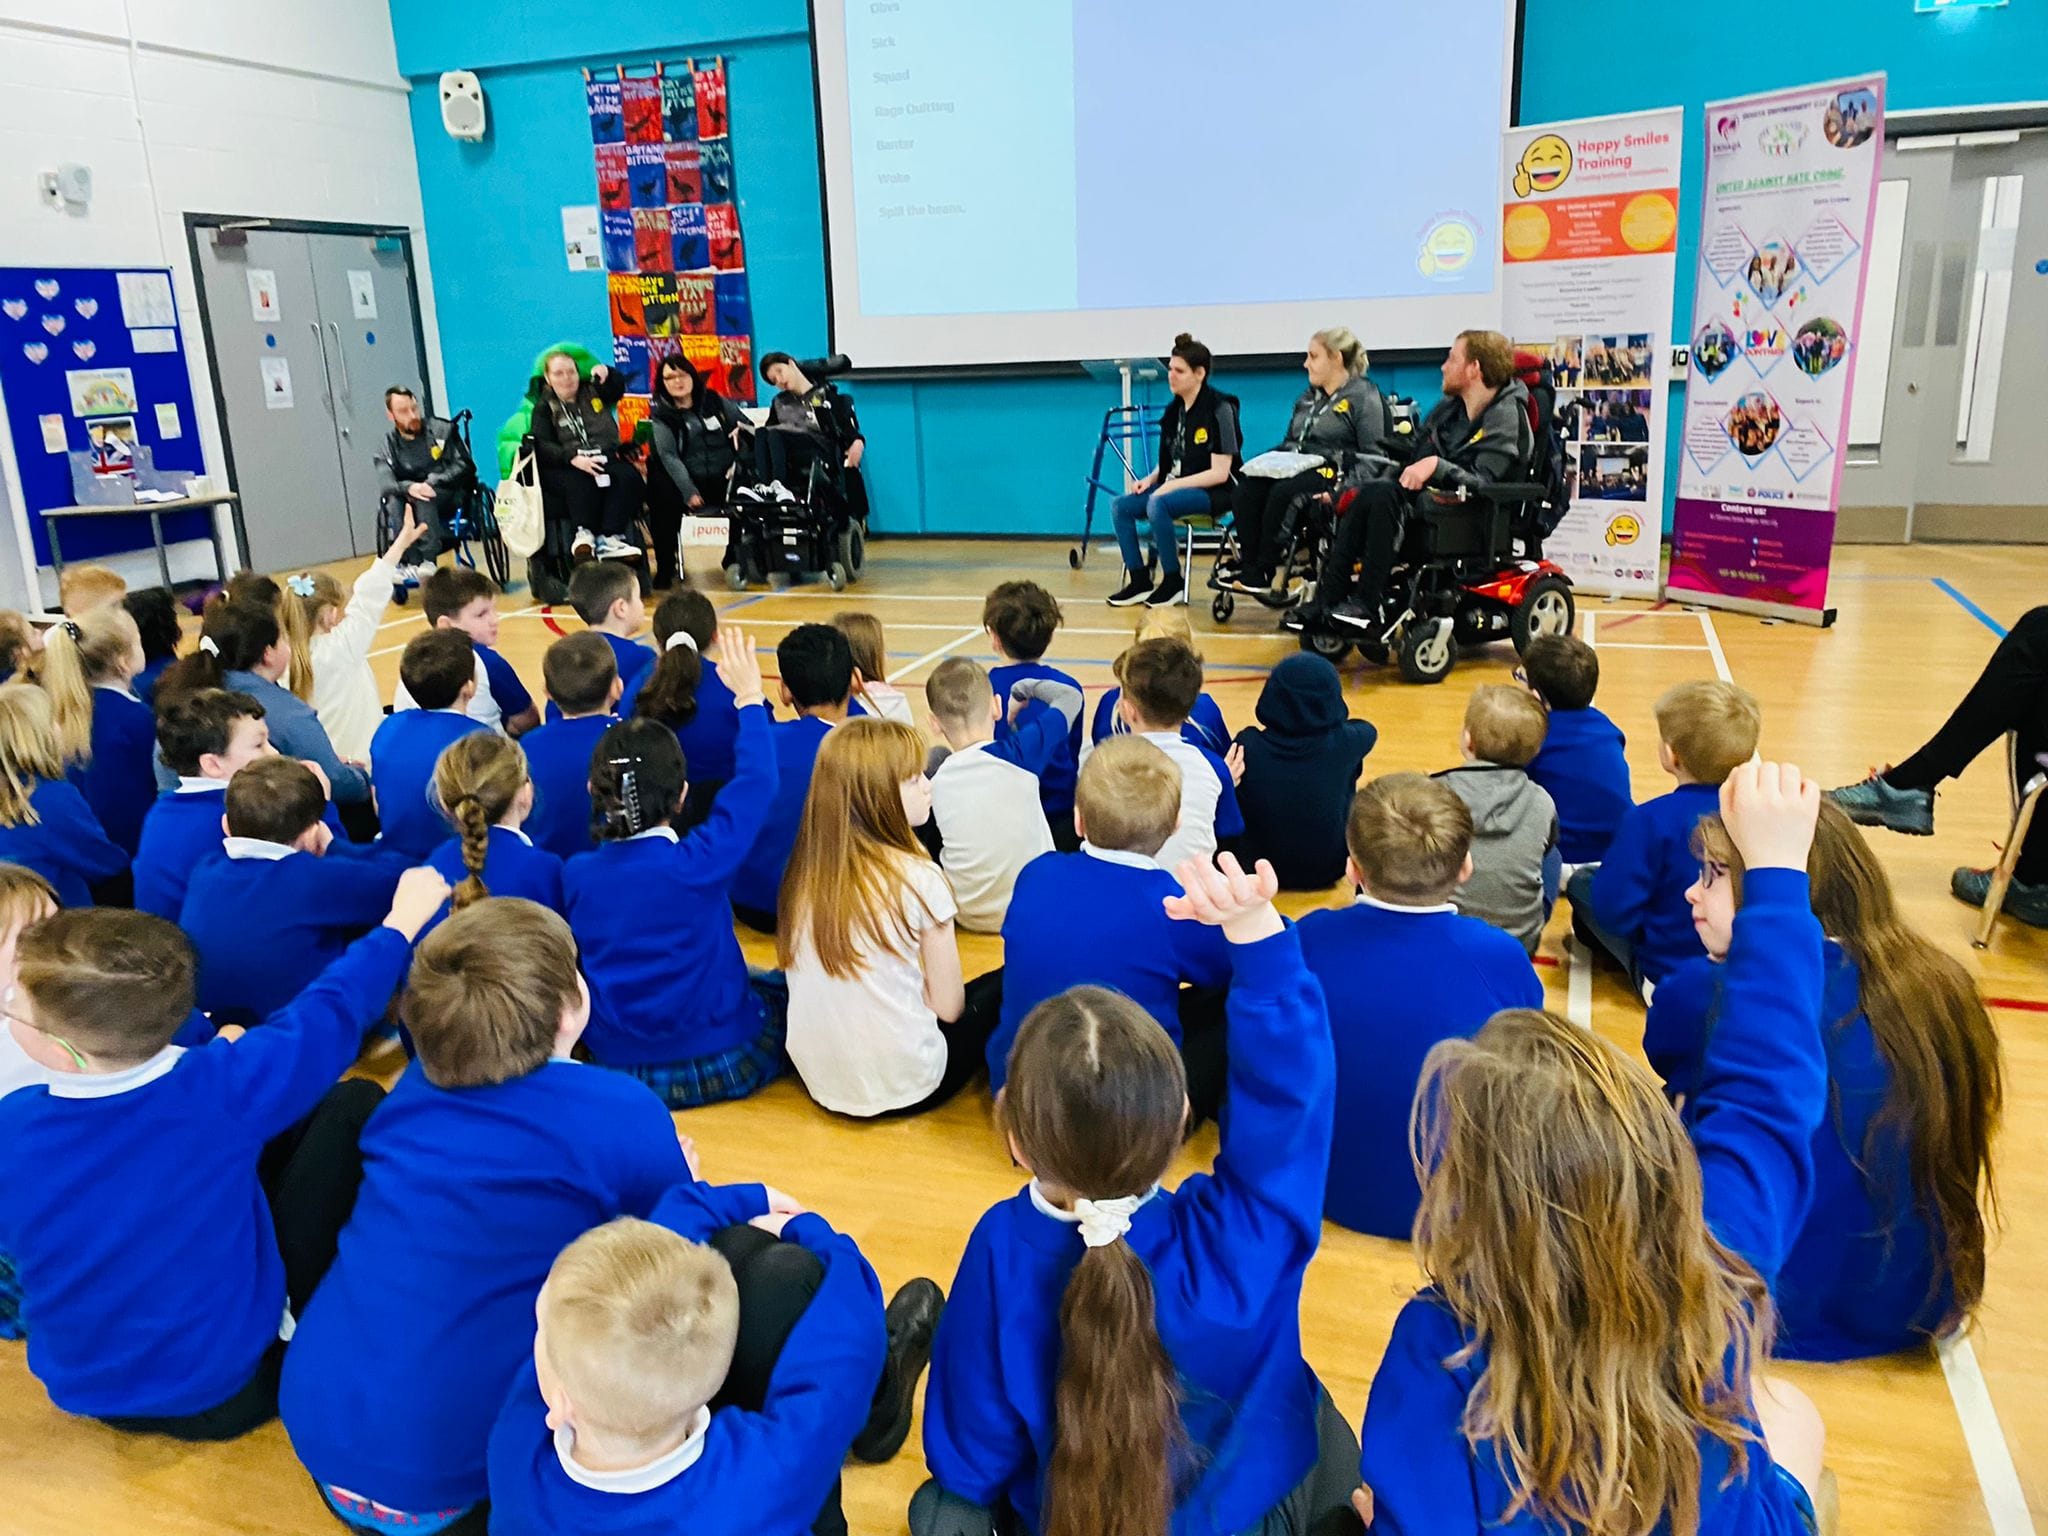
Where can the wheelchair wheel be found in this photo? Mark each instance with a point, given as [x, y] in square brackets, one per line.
[1546, 609]
[1329, 645]
[853, 549]
[836, 574]
[1073, 559]
[736, 577]
[1221, 607]
[1428, 652]
[497, 558]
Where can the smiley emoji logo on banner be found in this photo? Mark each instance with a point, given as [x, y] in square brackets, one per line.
[1546, 165]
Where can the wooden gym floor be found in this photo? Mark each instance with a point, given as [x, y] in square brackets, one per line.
[1955, 1444]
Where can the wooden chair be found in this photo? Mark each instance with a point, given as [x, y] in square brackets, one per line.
[2025, 797]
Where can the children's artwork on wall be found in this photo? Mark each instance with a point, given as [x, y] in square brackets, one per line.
[671, 224]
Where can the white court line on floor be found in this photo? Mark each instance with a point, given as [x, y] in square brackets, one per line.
[1586, 619]
[1713, 639]
[1578, 986]
[1644, 645]
[950, 646]
[2004, 1498]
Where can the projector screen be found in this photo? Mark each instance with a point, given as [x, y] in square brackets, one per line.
[1067, 180]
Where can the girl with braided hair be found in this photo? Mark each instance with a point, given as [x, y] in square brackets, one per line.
[485, 790]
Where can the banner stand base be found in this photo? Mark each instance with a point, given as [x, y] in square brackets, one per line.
[1823, 618]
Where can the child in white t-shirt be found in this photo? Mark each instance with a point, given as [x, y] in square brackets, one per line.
[879, 1018]
[873, 694]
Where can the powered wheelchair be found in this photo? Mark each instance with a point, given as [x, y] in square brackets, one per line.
[472, 524]
[781, 532]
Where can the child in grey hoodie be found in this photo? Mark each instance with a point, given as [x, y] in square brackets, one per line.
[1515, 858]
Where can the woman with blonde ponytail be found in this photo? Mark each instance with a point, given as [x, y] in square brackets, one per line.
[106, 734]
[485, 791]
[1121, 1359]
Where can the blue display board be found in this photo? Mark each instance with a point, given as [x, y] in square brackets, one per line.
[95, 356]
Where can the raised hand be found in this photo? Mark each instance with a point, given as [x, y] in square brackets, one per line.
[738, 667]
[1769, 810]
[419, 896]
[1226, 897]
[692, 1158]
[1234, 761]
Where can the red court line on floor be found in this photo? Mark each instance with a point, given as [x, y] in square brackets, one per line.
[1546, 959]
[547, 617]
[2018, 1004]
[1630, 618]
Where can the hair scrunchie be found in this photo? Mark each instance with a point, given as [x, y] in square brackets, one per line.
[209, 645]
[681, 637]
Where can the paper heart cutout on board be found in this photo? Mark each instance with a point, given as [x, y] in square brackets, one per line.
[47, 287]
[35, 351]
[86, 308]
[53, 323]
[84, 349]
[13, 309]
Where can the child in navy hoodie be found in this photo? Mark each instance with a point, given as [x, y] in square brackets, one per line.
[205, 736]
[1634, 906]
[1402, 969]
[705, 1370]
[1098, 918]
[1583, 764]
[439, 671]
[45, 823]
[1891, 1251]
[816, 668]
[683, 691]
[492, 1153]
[1660, 1273]
[1301, 767]
[1020, 618]
[1119, 1356]
[107, 734]
[606, 597]
[482, 781]
[182, 1200]
[268, 913]
[582, 678]
[672, 1002]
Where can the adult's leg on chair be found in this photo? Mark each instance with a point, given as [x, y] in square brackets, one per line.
[435, 512]
[1165, 509]
[1124, 514]
[1249, 501]
[2011, 693]
[1366, 534]
[311, 1174]
[665, 512]
[622, 500]
[572, 499]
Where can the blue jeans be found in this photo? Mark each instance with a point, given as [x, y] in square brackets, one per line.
[1162, 510]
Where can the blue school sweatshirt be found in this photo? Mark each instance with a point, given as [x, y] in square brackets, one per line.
[753, 1473]
[404, 1357]
[652, 916]
[1203, 727]
[65, 845]
[1056, 783]
[513, 866]
[402, 757]
[1095, 918]
[758, 882]
[708, 736]
[1675, 1028]
[143, 1241]
[558, 759]
[119, 782]
[1763, 1088]
[144, 685]
[263, 927]
[1639, 893]
[1398, 980]
[634, 661]
[181, 829]
[507, 691]
[1584, 767]
[1226, 1252]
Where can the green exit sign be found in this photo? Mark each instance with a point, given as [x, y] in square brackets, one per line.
[1956, 5]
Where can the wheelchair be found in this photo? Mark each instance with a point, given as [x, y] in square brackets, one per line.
[816, 528]
[472, 527]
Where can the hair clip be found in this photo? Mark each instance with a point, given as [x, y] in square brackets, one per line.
[209, 645]
[679, 639]
[70, 627]
[629, 793]
[301, 585]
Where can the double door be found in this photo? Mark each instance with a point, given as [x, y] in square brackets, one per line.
[306, 328]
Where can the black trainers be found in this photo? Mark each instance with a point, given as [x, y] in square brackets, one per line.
[1136, 588]
[1168, 592]
[913, 1318]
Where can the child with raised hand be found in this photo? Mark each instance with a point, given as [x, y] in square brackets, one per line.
[45, 823]
[175, 1326]
[106, 733]
[880, 1020]
[341, 629]
[1891, 1252]
[1651, 1411]
[873, 693]
[1119, 1359]
[204, 736]
[1204, 725]
[685, 693]
[458, 597]
[672, 1000]
[482, 784]
[1584, 761]
[492, 1153]
[439, 668]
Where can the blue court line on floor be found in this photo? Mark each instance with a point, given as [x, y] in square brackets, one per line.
[1971, 608]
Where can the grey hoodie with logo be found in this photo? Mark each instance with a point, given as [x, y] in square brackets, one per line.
[1515, 861]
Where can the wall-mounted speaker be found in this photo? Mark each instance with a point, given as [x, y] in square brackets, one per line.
[462, 105]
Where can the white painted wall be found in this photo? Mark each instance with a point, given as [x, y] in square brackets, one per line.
[288, 109]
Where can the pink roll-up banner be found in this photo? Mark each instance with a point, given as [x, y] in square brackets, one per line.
[1789, 205]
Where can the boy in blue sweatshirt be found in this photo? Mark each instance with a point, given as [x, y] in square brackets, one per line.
[182, 1200]
[269, 911]
[205, 736]
[1098, 918]
[582, 679]
[606, 597]
[1633, 906]
[492, 1153]
[816, 667]
[457, 597]
[705, 1370]
[1402, 968]
[1021, 618]
[1583, 764]
[439, 671]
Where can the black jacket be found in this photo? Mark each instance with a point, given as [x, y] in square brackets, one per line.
[1189, 439]
[1301, 767]
[563, 429]
[435, 457]
[1497, 447]
[1338, 426]
[693, 448]
[821, 411]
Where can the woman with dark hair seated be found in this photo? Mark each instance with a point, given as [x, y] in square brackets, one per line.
[586, 483]
[1199, 448]
[695, 432]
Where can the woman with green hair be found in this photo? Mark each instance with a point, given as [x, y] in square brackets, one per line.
[586, 483]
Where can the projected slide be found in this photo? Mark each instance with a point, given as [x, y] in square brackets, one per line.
[1039, 176]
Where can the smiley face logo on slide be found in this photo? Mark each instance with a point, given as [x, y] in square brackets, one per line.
[1648, 222]
[1546, 165]
[1525, 232]
[1625, 529]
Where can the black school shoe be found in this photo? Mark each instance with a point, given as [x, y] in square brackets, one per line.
[1167, 593]
[1136, 588]
[913, 1318]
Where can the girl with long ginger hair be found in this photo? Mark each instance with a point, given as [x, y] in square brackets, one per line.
[879, 1018]
[1589, 1357]
[1121, 1359]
